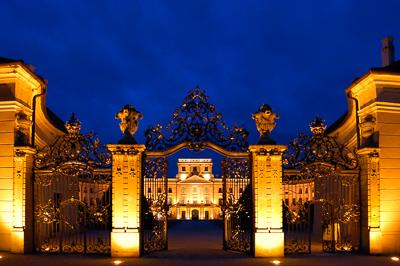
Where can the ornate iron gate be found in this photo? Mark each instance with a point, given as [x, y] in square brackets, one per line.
[154, 204]
[321, 201]
[72, 195]
[197, 125]
[237, 205]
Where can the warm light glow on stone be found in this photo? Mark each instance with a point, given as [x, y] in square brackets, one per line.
[117, 262]
[276, 262]
[395, 258]
[267, 185]
[125, 244]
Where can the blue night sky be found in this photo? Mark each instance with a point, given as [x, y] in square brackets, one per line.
[297, 56]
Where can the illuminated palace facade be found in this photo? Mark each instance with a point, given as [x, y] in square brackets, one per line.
[195, 193]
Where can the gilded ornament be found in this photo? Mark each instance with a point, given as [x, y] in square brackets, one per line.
[265, 123]
[129, 123]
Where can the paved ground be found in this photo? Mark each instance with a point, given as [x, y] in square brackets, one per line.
[195, 243]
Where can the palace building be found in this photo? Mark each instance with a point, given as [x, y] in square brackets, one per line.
[195, 193]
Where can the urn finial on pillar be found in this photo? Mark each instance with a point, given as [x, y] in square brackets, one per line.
[129, 123]
[265, 122]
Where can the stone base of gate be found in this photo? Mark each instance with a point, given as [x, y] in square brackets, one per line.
[125, 243]
[17, 240]
[269, 243]
[375, 241]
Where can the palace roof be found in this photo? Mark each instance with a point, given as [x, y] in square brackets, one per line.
[195, 179]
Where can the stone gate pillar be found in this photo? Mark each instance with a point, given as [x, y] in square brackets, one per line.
[22, 215]
[126, 199]
[371, 235]
[267, 195]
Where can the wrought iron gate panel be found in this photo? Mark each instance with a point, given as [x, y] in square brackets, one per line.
[237, 204]
[338, 197]
[297, 213]
[154, 204]
[321, 200]
[72, 194]
[72, 213]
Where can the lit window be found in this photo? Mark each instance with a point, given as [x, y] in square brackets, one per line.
[183, 168]
[306, 190]
[300, 191]
[206, 168]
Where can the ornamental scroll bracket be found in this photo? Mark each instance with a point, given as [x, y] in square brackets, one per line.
[196, 122]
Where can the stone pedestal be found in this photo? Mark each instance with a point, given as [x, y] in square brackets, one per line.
[126, 199]
[267, 195]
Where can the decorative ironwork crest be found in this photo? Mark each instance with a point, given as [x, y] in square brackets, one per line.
[319, 148]
[197, 121]
[73, 153]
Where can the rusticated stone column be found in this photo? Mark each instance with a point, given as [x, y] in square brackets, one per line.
[22, 219]
[267, 194]
[370, 200]
[126, 191]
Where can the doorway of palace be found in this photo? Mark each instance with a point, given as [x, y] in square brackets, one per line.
[197, 126]
[72, 195]
[195, 214]
[321, 200]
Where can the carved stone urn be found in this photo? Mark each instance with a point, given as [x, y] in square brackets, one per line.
[265, 123]
[129, 123]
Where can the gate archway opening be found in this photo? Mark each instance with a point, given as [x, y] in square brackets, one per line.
[196, 125]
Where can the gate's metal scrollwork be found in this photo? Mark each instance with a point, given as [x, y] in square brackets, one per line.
[320, 194]
[72, 194]
[197, 125]
[154, 204]
[196, 121]
[237, 204]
